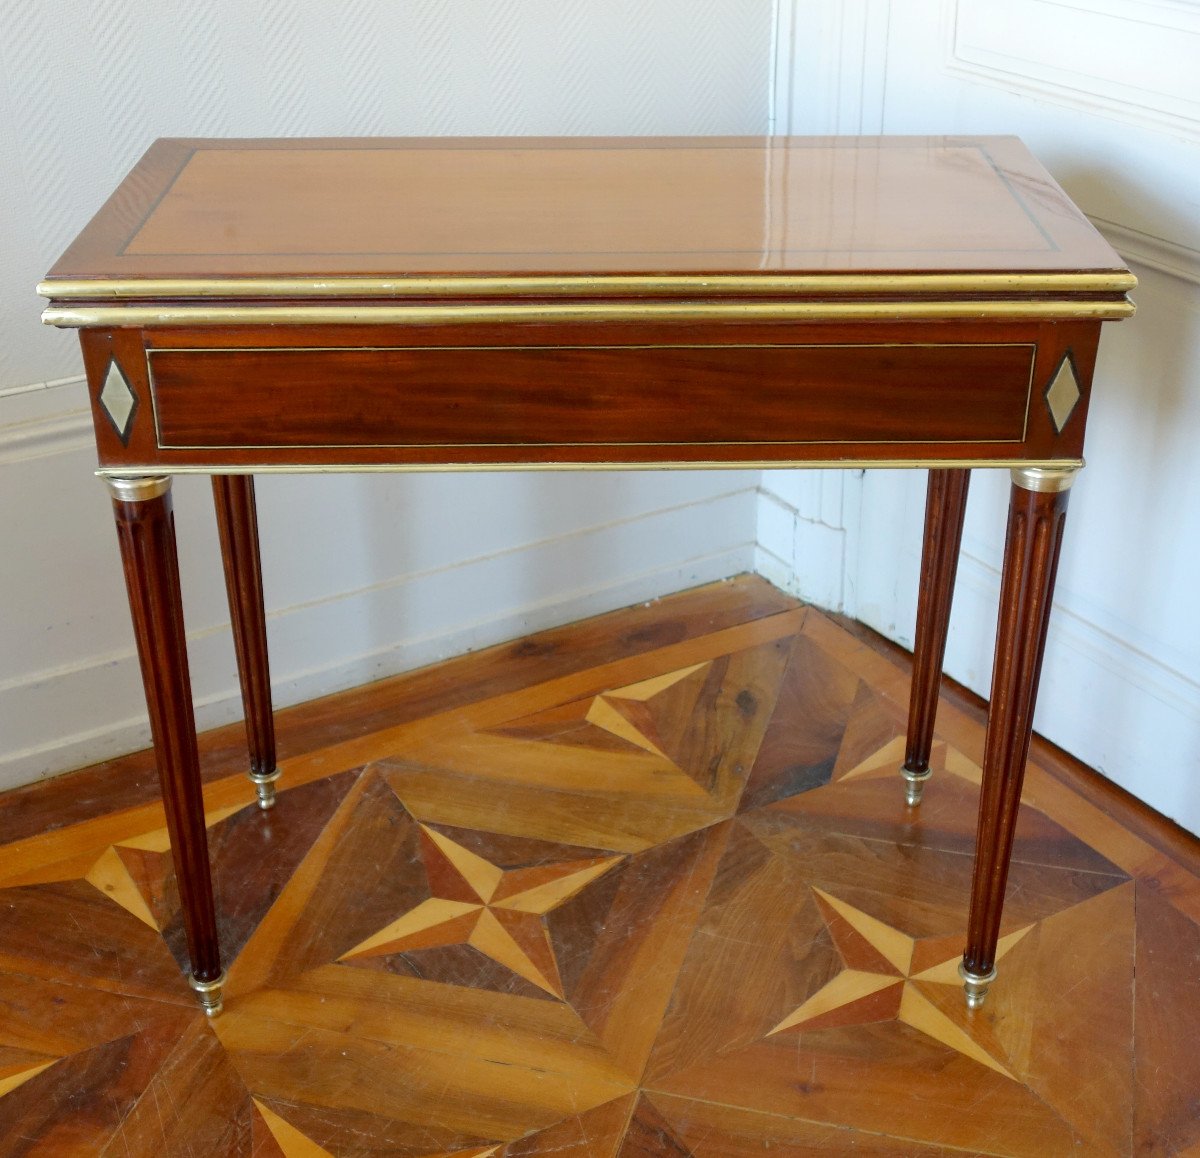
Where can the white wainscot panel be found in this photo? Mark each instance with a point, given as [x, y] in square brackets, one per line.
[389, 572]
[801, 533]
[1135, 59]
[1121, 684]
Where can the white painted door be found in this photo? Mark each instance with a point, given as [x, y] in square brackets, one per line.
[1107, 93]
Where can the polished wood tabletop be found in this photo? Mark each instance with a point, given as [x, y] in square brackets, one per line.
[248, 306]
[493, 262]
[217, 211]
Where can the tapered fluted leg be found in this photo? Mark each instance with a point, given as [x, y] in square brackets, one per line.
[146, 531]
[1037, 511]
[945, 506]
[237, 522]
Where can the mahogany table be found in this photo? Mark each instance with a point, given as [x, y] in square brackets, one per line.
[247, 306]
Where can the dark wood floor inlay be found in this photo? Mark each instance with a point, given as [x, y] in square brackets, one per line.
[658, 895]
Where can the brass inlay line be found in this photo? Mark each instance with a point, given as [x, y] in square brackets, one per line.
[370, 313]
[170, 468]
[356, 348]
[151, 351]
[1115, 281]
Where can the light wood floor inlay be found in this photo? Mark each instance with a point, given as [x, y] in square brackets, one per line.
[642, 886]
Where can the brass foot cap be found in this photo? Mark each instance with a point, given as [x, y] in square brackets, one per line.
[976, 985]
[914, 784]
[264, 785]
[209, 993]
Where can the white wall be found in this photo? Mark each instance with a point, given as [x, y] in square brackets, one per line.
[400, 571]
[388, 572]
[1107, 93]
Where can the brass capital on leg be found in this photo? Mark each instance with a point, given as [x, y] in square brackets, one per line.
[1043, 479]
[138, 489]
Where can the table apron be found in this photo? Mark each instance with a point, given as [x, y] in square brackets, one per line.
[319, 399]
[669, 396]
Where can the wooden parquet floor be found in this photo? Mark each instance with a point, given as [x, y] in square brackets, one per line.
[641, 886]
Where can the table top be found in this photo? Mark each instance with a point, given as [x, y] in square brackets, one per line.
[275, 222]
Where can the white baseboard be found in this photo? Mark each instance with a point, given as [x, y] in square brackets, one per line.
[1101, 699]
[386, 628]
[799, 554]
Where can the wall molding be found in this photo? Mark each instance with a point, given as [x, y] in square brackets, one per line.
[1102, 699]
[41, 387]
[801, 537]
[1157, 253]
[784, 24]
[1070, 629]
[839, 53]
[44, 437]
[1151, 30]
[506, 603]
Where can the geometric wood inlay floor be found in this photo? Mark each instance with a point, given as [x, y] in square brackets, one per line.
[646, 885]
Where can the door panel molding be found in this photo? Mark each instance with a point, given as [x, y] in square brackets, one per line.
[1133, 60]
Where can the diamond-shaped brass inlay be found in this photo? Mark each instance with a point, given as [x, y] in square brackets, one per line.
[1063, 393]
[119, 401]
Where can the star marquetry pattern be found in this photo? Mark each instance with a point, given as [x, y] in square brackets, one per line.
[877, 984]
[10, 1078]
[621, 712]
[671, 903]
[125, 871]
[112, 874]
[296, 1144]
[291, 1141]
[497, 912]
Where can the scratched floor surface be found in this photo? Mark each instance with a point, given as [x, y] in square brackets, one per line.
[641, 886]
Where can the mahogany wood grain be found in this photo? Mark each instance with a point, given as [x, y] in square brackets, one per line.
[1031, 551]
[945, 507]
[600, 394]
[528, 205]
[297, 305]
[237, 524]
[788, 959]
[146, 532]
[684, 397]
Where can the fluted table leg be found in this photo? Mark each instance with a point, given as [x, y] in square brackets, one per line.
[1037, 512]
[945, 506]
[146, 532]
[237, 522]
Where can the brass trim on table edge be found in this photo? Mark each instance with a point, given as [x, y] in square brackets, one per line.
[1060, 464]
[374, 313]
[1112, 281]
